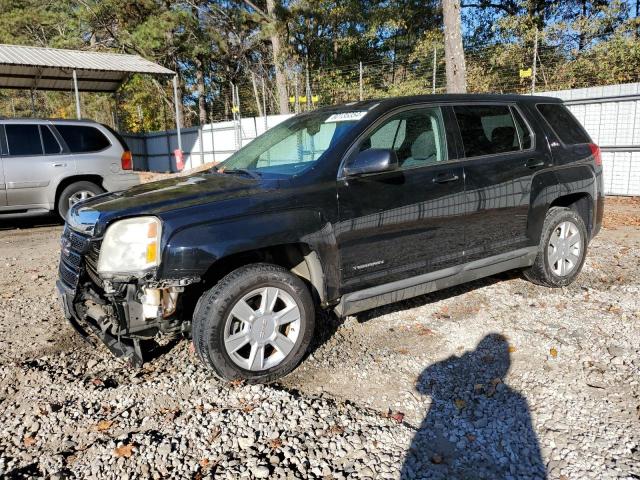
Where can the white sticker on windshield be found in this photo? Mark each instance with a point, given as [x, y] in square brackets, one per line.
[345, 117]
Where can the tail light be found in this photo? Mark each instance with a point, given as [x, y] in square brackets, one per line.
[126, 160]
[597, 155]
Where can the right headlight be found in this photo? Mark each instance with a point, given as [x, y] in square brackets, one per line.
[131, 245]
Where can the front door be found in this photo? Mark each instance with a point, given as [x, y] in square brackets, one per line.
[500, 161]
[406, 222]
[33, 165]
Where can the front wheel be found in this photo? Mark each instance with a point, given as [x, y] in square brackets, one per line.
[255, 324]
[562, 249]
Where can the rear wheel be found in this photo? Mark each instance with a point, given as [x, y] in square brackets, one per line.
[255, 324]
[75, 193]
[562, 249]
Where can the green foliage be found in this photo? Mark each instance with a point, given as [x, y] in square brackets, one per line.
[216, 43]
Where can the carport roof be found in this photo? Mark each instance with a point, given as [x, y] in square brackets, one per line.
[25, 67]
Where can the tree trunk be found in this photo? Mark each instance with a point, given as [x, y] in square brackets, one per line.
[281, 79]
[453, 51]
[202, 101]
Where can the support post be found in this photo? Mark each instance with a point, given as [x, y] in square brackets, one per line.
[264, 105]
[75, 88]
[178, 119]
[535, 62]
[361, 84]
[435, 69]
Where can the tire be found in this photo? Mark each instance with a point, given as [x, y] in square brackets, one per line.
[215, 320]
[89, 189]
[543, 272]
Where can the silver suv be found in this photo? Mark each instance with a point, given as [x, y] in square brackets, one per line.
[48, 165]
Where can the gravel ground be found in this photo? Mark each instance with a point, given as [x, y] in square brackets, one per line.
[494, 379]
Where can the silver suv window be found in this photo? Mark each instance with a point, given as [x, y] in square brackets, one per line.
[82, 139]
[23, 139]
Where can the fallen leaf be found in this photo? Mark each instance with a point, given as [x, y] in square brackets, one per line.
[28, 440]
[496, 381]
[403, 351]
[553, 352]
[436, 458]
[478, 387]
[460, 404]
[103, 425]
[238, 382]
[215, 433]
[512, 349]
[397, 416]
[204, 462]
[335, 430]
[275, 443]
[123, 451]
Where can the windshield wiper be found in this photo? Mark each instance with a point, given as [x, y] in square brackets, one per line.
[242, 171]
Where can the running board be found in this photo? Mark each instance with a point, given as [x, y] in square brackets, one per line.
[430, 282]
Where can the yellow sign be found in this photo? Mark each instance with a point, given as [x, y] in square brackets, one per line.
[526, 73]
[303, 99]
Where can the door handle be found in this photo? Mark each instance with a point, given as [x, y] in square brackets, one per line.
[445, 178]
[534, 163]
[58, 164]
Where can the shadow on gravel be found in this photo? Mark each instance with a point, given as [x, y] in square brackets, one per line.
[50, 220]
[477, 426]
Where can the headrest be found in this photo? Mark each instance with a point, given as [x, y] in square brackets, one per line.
[503, 137]
[424, 146]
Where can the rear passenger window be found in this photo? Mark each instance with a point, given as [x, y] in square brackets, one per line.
[23, 139]
[51, 145]
[563, 124]
[487, 129]
[82, 139]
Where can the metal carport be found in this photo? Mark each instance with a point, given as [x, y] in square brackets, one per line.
[37, 68]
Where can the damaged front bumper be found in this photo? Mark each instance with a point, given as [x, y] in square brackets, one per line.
[122, 321]
[123, 348]
[123, 311]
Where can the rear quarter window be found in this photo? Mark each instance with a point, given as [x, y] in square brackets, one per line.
[81, 139]
[563, 124]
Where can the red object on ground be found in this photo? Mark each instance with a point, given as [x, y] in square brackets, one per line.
[179, 159]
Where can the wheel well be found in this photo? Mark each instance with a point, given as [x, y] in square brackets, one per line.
[96, 179]
[582, 203]
[299, 258]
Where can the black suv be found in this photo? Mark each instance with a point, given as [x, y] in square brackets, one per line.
[345, 208]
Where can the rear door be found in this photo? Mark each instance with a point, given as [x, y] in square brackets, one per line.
[33, 173]
[3, 184]
[402, 223]
[501, 159]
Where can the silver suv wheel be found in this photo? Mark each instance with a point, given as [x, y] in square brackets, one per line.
[262, 329]
[78, 196]
[564, 249]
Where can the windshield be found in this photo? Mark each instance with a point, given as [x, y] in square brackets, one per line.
[294, 145]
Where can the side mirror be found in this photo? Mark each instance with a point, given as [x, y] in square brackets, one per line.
[372, 160]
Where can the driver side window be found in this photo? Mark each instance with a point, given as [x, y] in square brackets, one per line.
[417, 136]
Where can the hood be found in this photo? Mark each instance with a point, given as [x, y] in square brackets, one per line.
[164, 195]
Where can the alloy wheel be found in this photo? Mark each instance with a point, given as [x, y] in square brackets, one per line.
[564, 249]
[262, 328]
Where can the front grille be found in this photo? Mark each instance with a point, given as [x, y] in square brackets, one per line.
[91, 260]
[69, 276]
[79, 255]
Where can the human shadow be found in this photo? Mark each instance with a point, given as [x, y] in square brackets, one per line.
[477, 426]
